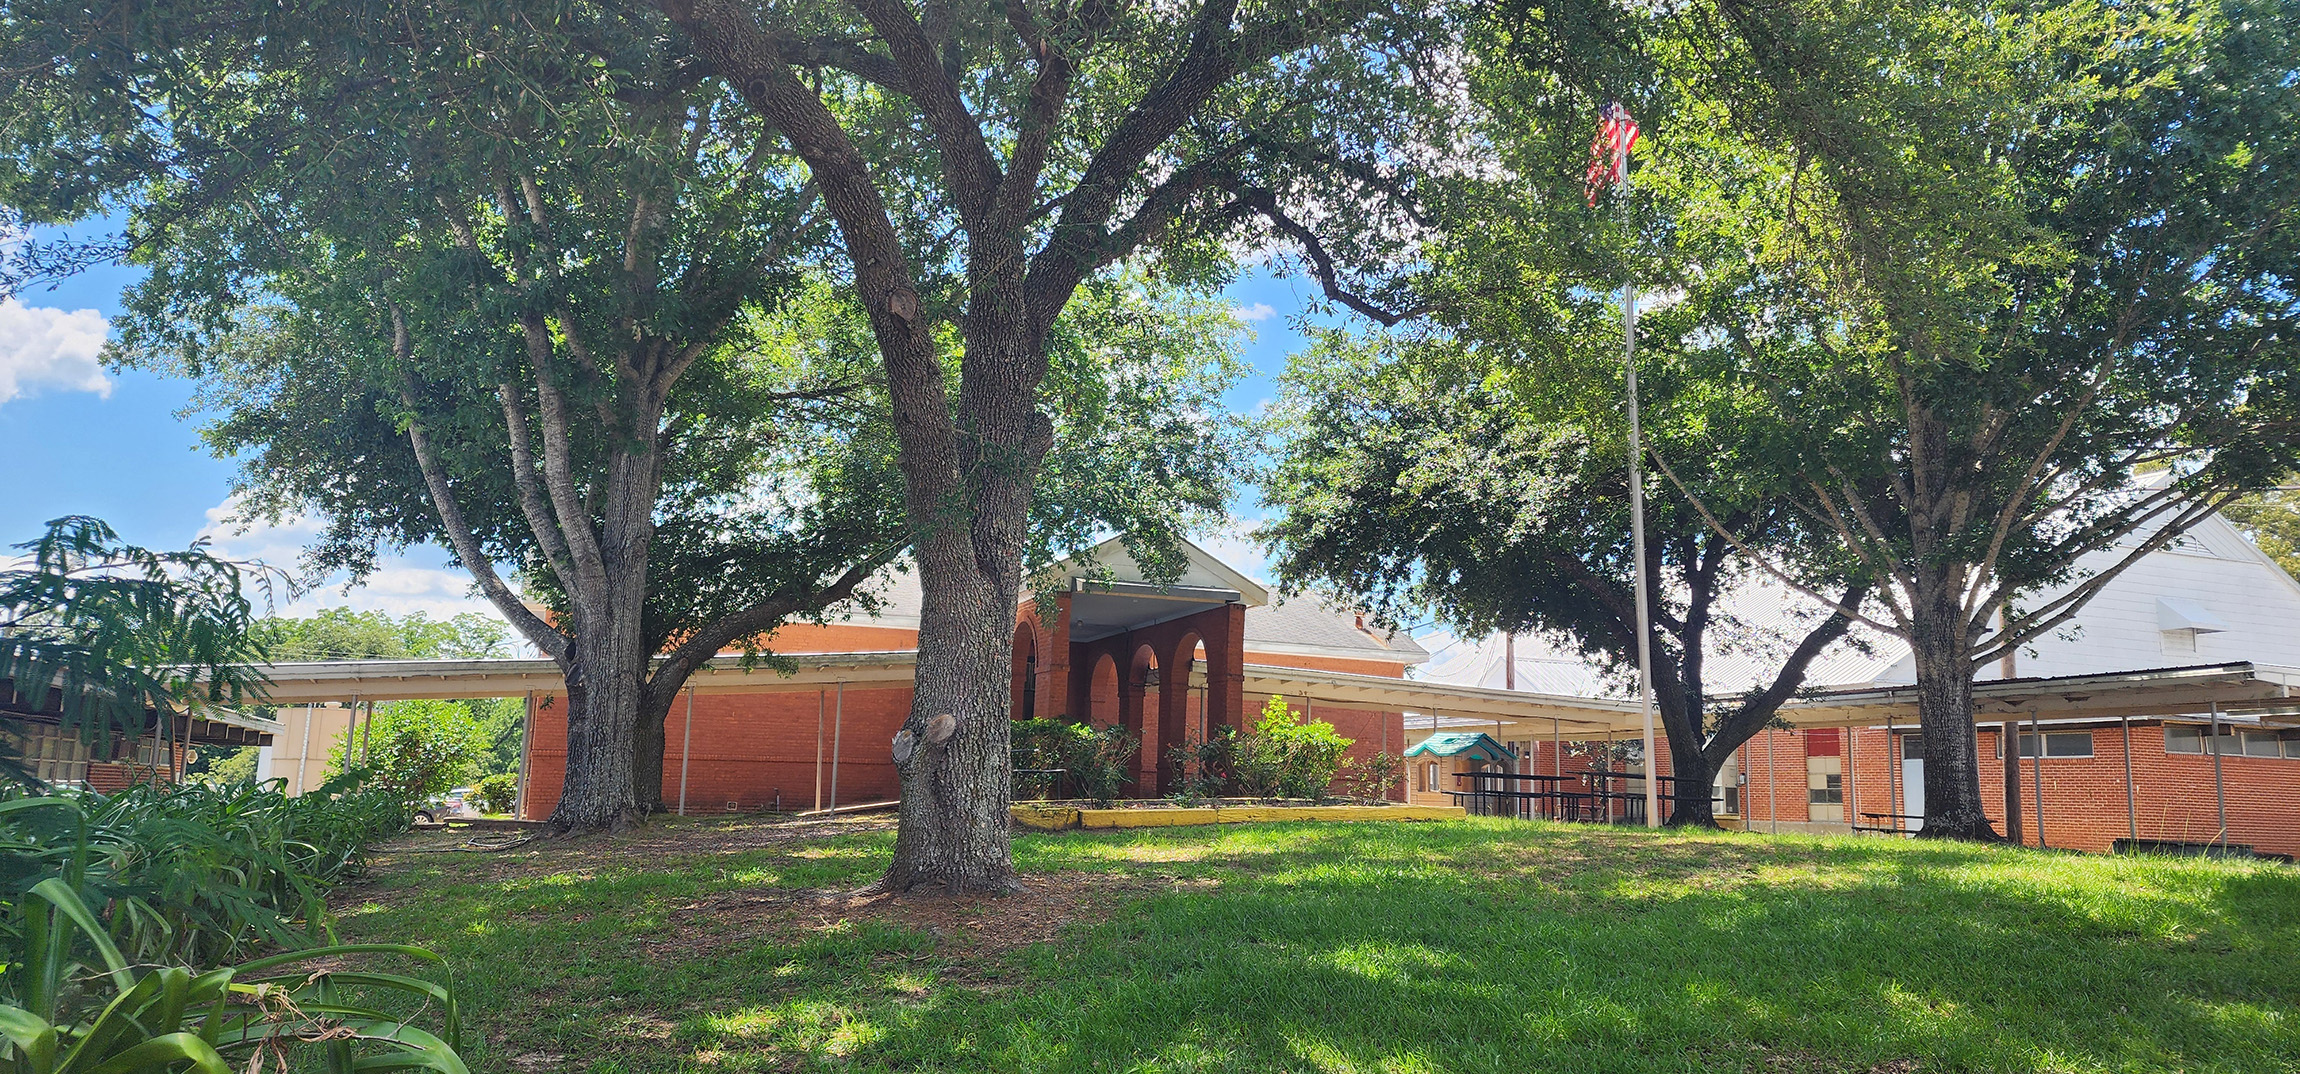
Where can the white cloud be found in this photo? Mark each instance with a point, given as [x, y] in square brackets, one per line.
[419, 580]
[1259, 311]
[45, 347]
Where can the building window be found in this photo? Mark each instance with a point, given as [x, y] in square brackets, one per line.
[50, 754]
[1430, 777]
[2056, 744]
[1825, 789]
[2268, 743]
[2190, 738]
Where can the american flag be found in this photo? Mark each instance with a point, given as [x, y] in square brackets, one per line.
[1609, 151]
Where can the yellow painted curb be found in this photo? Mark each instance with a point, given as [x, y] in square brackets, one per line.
[1055, 818]
[1045, 818]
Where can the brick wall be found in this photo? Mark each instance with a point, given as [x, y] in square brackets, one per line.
[748, 747]
[2085, 806]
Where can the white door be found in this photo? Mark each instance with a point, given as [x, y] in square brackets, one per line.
[1913, 781]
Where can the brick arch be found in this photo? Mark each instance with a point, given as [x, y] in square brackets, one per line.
[1023, 695]
[1180, 717]
[1103, 692]
[1143, 706]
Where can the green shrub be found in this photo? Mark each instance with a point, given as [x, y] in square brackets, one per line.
[1374, 777]
[1287, 757]
[1206, 768]
[70, 1001]
[495, 794]
[417, 750]
[1097, 763]
[196, 874]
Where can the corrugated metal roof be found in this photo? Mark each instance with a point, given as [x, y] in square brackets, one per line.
[1755, 627]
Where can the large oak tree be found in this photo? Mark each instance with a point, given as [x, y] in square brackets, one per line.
[532, 284]
[982, 160]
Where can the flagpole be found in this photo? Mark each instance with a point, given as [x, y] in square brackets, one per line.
[1637, 517]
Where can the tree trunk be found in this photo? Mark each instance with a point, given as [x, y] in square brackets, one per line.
[956, 792]
[958, 783]
[649, 750]
[597, 792]
[1943, 652]
[610, 657]
[1688, 800]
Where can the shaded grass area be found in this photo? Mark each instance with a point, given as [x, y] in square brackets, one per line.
[1458, 946]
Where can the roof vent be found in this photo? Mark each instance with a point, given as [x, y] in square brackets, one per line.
[2181, 613]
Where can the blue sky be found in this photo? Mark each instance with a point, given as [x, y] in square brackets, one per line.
[117, 445]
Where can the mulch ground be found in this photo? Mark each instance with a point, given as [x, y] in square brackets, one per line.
[967, 924]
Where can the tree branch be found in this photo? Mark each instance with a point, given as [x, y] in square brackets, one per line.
[459, 533]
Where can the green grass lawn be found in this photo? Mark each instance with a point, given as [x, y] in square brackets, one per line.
[1460, 946]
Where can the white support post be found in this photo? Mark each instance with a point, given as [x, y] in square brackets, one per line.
[2036, 769]
[838, 723]
[2219, 784]
[526, 747]
[686, 749]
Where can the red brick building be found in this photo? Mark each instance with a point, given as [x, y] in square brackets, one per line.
[2202, 634]
[1171, 661]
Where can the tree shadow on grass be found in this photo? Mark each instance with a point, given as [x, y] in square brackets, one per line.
[1351, 953]
[1452, 947]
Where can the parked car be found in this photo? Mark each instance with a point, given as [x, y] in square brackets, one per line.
[455, 803]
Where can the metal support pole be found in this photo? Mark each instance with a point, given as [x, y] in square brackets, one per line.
[1852, 799]
[304, 758]
[526, 748]
[1892, 774]
[2219, 785]
[1637, 554]
[686, 749]
[367, 736]
[2131, 812]
[838, 724]
[2036, 768]
[1772, 784]
[822, 710]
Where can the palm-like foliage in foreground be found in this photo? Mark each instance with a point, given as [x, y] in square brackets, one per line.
[71, 1001]
[119, 632]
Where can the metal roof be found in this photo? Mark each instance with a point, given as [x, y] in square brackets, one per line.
[1453, 744]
